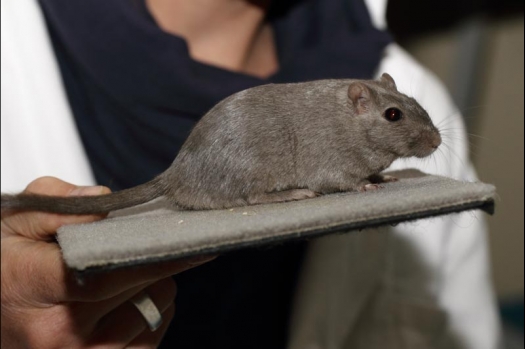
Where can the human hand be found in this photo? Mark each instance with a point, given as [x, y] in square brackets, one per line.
[44, 306]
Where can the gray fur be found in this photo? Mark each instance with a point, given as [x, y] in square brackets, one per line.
[282, 142]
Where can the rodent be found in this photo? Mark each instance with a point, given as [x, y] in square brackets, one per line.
[275, 143]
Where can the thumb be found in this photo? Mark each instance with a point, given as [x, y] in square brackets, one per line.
[42, 225]
[88, 190]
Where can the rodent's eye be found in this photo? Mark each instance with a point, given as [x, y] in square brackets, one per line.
[393, 114]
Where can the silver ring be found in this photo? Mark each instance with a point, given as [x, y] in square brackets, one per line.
[148, 310]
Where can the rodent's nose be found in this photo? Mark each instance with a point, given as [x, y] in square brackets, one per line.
[435, 140]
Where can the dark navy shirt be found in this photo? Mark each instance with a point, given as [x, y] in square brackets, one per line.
[136, 94]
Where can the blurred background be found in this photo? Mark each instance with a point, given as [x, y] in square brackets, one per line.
[476, 49]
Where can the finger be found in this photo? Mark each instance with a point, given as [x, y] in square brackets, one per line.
[36, 270]
[126, 322]
[93, 312]
[105, 285]
[148, 339]
[41, 225]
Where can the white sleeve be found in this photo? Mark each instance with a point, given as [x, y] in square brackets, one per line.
[39, 135]
[454, 247]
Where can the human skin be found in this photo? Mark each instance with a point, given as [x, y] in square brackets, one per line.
[230, 34]
[44, 306]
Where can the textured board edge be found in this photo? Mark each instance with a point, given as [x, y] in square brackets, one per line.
[487, 205]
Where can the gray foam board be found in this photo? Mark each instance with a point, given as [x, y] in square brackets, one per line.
[154, 232]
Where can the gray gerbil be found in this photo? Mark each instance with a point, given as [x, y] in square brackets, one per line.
[275, 143]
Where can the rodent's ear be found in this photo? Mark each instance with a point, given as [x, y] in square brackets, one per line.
[388, 81]
[359, 94]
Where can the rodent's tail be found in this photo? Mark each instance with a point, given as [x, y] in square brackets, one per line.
[84, 204]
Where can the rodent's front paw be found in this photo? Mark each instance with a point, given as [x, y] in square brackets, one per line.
[387, 178]
[369, 186]
[379, 178]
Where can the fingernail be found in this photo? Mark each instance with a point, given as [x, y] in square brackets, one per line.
[85, 191]
[201, 260]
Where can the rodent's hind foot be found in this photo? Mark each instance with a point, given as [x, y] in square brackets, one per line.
[282, 196]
